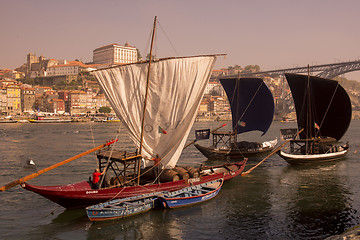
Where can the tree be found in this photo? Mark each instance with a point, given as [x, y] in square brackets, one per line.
[251, 69]
[104, 110]
[139, 57]
[148, 57]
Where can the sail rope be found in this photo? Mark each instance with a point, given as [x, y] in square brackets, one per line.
[108, 161]
[177, 54]
[332, 98]
[130, 180]
[247, 107]
[92, 134]
[147, 43]
[252, 99]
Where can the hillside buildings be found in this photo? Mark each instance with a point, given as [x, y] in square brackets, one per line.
[47, 75]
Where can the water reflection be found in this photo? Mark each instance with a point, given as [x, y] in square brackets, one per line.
[248, 208]
[318, 203]
[275, 201]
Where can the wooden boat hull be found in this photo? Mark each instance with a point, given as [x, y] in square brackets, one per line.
[212, 153]
[191, 195]
[81, 194]
[8, 121]
[49, 121]
[117, 209]
[296, 159]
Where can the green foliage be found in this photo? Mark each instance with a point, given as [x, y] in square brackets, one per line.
[138, 54]
[104, 110]
[348, 84]
[148, 57]
[251, 68]
[30, 81]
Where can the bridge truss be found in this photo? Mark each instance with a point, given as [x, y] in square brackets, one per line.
[324, 71]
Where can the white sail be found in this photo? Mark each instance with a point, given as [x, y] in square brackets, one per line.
[176, 88]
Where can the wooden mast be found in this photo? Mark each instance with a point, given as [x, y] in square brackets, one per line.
[309, 117]
[146, 96]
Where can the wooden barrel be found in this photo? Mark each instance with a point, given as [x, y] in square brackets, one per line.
[182, 172]
[147, 173]
[193, 172]
[169, 175]
[117, 181]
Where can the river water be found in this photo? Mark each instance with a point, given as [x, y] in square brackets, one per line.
[275, 201]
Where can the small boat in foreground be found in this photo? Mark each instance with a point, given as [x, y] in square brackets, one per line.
[82, 194]
[121, 208]
[192, 195]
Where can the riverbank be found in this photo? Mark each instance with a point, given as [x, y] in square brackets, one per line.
[352, 233]
[26, 119]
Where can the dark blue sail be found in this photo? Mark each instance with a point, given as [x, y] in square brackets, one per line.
[323, 107]
[252, 104]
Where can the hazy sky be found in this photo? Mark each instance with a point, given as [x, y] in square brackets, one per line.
[270, 33]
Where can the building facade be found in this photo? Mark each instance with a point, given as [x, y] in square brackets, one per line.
[115, 54]
[66, 69]
[3, 100]
[80, 102]
[100, 101]
[13, 93]
[57, 106]
[27, 99]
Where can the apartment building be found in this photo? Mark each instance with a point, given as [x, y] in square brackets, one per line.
[13, 94]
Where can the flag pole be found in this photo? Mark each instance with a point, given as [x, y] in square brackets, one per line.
[190, 143]
[34, 175]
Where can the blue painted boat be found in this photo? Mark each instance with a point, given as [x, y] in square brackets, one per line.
[121, 208]
[191, 195]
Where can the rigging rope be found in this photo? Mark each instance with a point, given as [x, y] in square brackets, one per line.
[247, 107]
[332, 98]
[168, 39]
[252, 99]
[92, 135]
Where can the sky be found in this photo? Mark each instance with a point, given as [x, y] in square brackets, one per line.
[273, 34]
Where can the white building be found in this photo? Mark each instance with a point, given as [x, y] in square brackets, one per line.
[114, 53]
[70, 68]
[214, 86]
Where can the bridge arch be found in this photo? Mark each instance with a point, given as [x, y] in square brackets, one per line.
[324, 71]
[340, 69]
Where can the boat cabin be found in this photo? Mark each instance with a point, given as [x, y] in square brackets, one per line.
[312, 146]
[121, 167]
[228, 140]
[224, 140]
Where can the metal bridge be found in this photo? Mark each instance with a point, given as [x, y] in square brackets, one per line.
[324, 71]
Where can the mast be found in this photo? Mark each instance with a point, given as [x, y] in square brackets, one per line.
[146, 96]
[309, 117]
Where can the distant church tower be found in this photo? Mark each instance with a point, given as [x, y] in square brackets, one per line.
[31, 58]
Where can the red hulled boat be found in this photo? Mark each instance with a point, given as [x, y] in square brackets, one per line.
[82, 194]
[157, 103]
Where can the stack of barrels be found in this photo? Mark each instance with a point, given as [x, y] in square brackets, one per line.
[171, 175]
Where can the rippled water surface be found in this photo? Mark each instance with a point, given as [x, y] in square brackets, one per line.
[275, 201]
